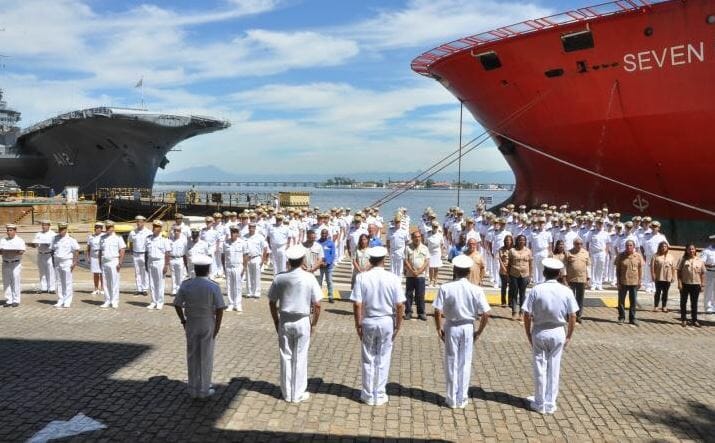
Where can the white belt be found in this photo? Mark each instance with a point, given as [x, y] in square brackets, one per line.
[138, 252]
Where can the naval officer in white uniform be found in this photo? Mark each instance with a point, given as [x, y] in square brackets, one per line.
[379, 307]
[548, 307]
[235, 262]
[137, 244]
[43, 241]
[111, 255]
[178, 259]
[65, 251]
[158, 256]
[11, 247]
[292, 296]
[461, 303]
[199, 305]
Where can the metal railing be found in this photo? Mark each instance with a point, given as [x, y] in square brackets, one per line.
[422, 63]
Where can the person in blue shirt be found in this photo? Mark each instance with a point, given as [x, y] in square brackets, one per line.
[373, 236]
[326, 269]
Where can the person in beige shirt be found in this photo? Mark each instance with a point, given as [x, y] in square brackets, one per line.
[416, 262]
[504, 267]
[629, 275]
[521, 268]
[476, 273]
[662, 272]
[691, 277]
[578, 272]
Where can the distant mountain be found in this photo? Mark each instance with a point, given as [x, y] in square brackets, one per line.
[213, 173]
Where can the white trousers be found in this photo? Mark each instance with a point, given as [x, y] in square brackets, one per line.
[495, 270]
[110, 277]
[547, 347]
[376, 353]
[64, 282]
[234, 285]
[217, 268]
[178, 273]
[611, 273]
[598, 269]
[11, 273]
[539, 265]
[397, 264]
[458, 343]
[709, 295]
[279, 259]
[647, 278]
[294, 342]
[200, 354]
[156, 281]
[488, 259]
[140, 273]
[47, 272]
[254, 277]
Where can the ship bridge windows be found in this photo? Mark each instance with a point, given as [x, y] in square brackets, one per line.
[489, 60]
[577, 41]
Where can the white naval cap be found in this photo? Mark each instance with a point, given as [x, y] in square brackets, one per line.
[552, 263]
[295, 252]
[201, 260]
[377, 251]
[712, 237]
[462, 261]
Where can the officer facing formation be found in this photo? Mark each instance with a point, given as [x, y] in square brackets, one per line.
[65, 251]
[199, 306]
[461, 303]
[548, 307]
[111, 255]
[158, 256]
[137, 245]
[378, 309]
[11, 247]
[43, 243]
[292, 296]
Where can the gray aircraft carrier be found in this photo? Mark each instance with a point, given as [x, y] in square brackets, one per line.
[94, 148]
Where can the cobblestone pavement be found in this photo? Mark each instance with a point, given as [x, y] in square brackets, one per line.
[126, 369]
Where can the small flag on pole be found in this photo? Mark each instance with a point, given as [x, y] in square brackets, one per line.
[140, 83]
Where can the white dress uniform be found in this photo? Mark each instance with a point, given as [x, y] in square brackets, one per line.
[185, 231]
[650, 248]
[137, 238]
[708, 258]
[194, 248]
[179, 249]
[380, 292]
[294, 292]
[462, 303]
[256, 246]
[93, 241]
[278, 237]
[110, 246]
[200, 298]
[569, 237]
[549, 305]
[12, 268]
[435, 241]
[63, 249]
[43, 240]
[234, 252]
[497, 244]
[598, 249]
[541, 241]
[157, 247]
[221, 232]
[398, 238]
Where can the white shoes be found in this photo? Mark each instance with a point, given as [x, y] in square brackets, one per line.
[151, 306]
[159, 306]
[115, 305]
[303, 397]
[239, 308]
[229, 308]
[105, 305]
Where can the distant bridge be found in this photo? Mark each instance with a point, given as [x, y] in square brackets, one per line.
[285, 184]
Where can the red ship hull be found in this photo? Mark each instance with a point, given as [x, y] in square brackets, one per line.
[624, 123]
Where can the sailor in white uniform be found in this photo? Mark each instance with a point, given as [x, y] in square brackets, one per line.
[183, 229]
[379, 307]
[292, 296]
[195, 246]
[137, 244]
[235, 262]
[548, 307]
[257, 255]
[12, 247]
[42, 241]
[199, 305]
[397, 239]
[93, 241]
[111, 255]
[708, 258]
[279, 241]
[178, 259]
[461, 303]
[65, 251]
[598, 245]
[158, 256]
[541, 241]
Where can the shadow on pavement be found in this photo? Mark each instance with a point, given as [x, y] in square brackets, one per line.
[398, 390]
[44, 381]
[317, 385]
[697, 423]
[499, 397]
[339, 312]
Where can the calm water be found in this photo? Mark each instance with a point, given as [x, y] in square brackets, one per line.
[415, 201]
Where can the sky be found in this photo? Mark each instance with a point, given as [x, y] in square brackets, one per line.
[309, 86]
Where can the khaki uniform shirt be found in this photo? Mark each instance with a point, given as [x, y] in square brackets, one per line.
[578, 266]
[504, 259]
[691, 270]
[519, 262]
[628, 267]
[663, 267]
[417, 257]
